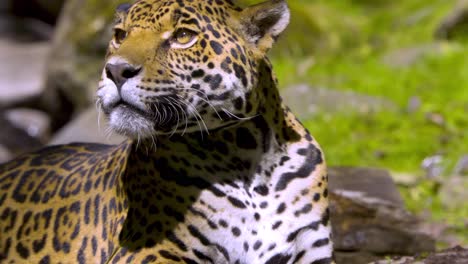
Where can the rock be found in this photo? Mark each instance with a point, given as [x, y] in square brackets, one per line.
[4, 6]
[433, 166]
[455, 24]
[414, 104]
[5, 154]
[436, 119]
[371, 182]
[25, 30]
[368, 218]
[15, 140]
[408, 56]
[462, 166]
[22, 130]
[407, 179]
[453, 192]
[456, 255]
[51, 7]
[16, 80]
[304, 65]
[40, 10]
[23, 87]
[86, 128]
[417, 17]
[35, 123]
[306, 101]
[442, 231]
[370, 228]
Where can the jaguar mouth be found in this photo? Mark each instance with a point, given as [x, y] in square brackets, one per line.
[161, 115]
[124, 106]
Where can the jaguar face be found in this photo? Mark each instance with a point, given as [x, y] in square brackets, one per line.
[183, 66]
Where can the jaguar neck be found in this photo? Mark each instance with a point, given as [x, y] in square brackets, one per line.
[284, 125]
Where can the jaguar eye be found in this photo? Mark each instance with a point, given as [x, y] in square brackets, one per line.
[183, 37]
[119, 35]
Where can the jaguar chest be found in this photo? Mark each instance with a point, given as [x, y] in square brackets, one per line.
[227, 203]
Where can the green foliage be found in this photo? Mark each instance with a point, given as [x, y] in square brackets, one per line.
[404, 138]
[353, 38]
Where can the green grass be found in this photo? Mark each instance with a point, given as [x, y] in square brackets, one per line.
[346, 45]
[440, 80]
[404, 139]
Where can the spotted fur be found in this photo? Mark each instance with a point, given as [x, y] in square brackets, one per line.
[216, 169]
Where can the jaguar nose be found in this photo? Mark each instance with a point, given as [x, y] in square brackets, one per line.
[120, 73]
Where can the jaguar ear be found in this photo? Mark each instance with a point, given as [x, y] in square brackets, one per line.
[264, 22]
[123, 8]
[121, 11]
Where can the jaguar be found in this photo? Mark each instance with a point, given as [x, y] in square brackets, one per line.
[215, 168]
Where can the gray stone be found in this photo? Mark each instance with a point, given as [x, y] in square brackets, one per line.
[353, 257]
[433, 166]
[15, 140]
[5, 154]
[407, 179]
[53, 7]
[456, 255]
[370, 228]
[370, 182]
[462, 166]
[368, 218]
[418, 16]
[305, 101]
[24, 29]
[408, 56]
[4, 6]
[437, 119]
[23, 75]
[414, 104]
[455, 24]
[86, 128]
[453, 192]
[22, 82]
[35, 123]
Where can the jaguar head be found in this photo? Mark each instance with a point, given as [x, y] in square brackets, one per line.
[183, 66]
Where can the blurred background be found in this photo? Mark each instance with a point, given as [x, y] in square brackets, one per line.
[380, 84]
